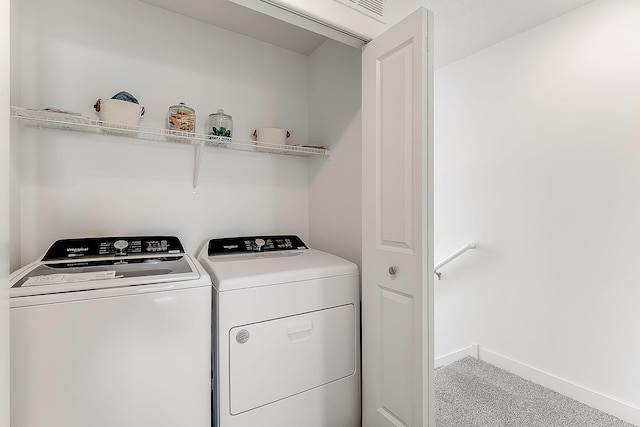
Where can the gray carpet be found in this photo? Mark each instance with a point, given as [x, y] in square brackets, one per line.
[472, 393]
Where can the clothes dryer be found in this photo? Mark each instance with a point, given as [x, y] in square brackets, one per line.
[112, 331]
[286, 334]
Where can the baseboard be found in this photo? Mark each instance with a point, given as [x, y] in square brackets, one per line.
[456, 355]
[610, 405]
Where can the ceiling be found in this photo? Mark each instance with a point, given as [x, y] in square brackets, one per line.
[241, 20]
[462, 27]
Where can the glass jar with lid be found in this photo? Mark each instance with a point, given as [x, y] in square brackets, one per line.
[219, 124]
[181, 118]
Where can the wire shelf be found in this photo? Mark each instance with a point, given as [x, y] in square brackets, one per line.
[73, 122]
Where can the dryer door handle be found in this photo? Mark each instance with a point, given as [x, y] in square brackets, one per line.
[299, 330]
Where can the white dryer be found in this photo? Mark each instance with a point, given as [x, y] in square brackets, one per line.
[111, 331]
[286, 334]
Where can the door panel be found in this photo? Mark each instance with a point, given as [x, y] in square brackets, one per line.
[397, 234]
[395, 145]
[397, 311]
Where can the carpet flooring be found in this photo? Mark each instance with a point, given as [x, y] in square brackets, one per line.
[473, 393]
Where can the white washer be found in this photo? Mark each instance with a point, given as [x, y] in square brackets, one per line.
[111, 332]
[286, 334]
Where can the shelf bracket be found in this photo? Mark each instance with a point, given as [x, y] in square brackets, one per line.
[196, 167]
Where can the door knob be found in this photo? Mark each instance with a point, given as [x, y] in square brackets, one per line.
[392, 270]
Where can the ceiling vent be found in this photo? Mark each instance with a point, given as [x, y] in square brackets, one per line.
[372, 8]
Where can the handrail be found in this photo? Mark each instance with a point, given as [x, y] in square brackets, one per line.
[451, 257]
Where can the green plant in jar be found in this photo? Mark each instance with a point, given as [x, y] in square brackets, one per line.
[220, 124]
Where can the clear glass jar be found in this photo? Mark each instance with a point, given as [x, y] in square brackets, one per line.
[181, 118]
[219, 124]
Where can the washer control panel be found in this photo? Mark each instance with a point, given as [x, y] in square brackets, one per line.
[240, 245]
[113, 246]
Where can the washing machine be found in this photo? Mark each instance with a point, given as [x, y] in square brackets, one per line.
[112, 331]
[286, 349]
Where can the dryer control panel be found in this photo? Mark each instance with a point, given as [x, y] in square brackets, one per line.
[113, 246]
[239, 245]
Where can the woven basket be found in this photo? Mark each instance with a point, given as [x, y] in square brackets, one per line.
[119, 116]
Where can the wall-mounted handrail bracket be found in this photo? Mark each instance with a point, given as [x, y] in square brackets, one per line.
[451, 257]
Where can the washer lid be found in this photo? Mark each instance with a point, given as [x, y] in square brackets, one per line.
[109, 262]
[253, 269]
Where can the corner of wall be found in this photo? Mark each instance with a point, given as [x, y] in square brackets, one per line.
[4, 210]
[335, 183]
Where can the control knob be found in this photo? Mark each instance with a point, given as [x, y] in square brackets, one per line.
[120, 245]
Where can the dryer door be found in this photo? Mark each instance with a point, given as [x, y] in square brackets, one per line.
[275, 359]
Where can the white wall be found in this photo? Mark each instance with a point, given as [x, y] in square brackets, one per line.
[335, 208]
[537, 147]
[72, 52]
[4, 211]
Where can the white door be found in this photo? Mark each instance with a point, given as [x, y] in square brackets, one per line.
[397, 225]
